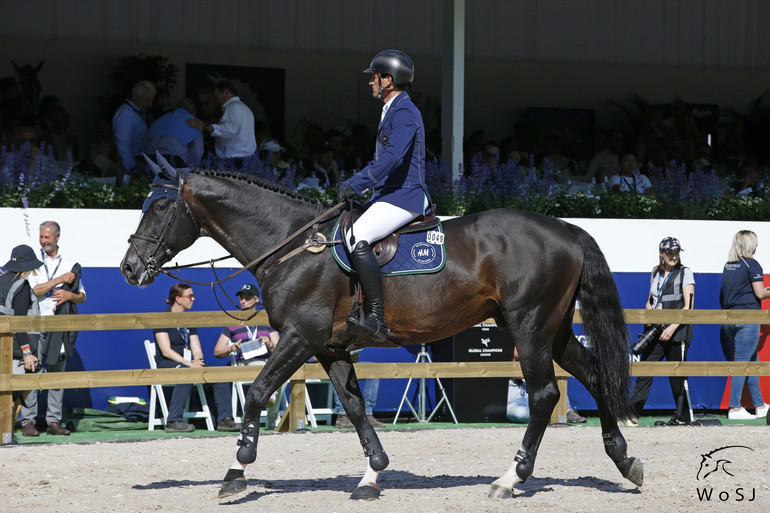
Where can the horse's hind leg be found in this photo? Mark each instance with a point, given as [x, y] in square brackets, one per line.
[345, 382]
[535, 356]
[581, 363]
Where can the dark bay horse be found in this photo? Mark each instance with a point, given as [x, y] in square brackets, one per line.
[524, 270]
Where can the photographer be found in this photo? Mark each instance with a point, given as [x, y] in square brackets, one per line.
[672, 287]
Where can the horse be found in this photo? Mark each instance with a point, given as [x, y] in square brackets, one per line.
[522, 269]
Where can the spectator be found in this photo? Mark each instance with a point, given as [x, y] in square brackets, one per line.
[490, 155]
[59, 290]
[101, 150]
[324, 166]
[748, 182]
[234, 133]
[551, 154]
[44, 112]
[272, 155]
[129, 126]
[336, 141]
[25, 139]
[181, 347]
[743, 289]
[672, 287]
[171, 136]
[606, 163]
[58, 139]
[361, 140]
[629, 179]
[16, 298]
[251, 345]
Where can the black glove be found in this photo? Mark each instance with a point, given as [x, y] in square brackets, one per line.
[345, 192]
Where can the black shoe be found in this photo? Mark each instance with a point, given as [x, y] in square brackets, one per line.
[370, 277]
[179, 427]
[228, 424]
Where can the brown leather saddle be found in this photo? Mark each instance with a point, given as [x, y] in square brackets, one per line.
[385, 249]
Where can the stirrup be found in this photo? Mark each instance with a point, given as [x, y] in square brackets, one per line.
[369, 325]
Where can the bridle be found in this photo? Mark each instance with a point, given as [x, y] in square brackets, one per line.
[150, 264]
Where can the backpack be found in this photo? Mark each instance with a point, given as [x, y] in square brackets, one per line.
[6, 308]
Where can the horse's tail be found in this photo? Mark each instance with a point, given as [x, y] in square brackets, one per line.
[604, 325]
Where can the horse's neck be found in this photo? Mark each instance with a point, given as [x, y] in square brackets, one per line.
[219, 210]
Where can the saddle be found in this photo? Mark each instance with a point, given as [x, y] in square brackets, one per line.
[385, 249]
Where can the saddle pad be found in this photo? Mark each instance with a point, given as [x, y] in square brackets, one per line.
[417, 253]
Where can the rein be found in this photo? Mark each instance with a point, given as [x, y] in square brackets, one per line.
[313, 242]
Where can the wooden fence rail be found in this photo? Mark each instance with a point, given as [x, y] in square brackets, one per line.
[133, 377]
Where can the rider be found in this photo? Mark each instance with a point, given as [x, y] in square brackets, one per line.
[396, 178]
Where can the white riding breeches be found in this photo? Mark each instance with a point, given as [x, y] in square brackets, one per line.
[379, 221]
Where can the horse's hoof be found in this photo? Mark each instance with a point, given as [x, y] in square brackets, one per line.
[368, 492]
[634, 471]
[499, 492]
[233, 487]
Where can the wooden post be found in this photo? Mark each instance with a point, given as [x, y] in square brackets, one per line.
[296, 409]
[7, 411]
[559, 414]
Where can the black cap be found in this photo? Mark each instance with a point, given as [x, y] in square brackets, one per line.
[23, 258]
[248, 289]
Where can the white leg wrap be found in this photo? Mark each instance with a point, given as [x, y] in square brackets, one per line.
[237, 465]
[509, 479]
[370, 476]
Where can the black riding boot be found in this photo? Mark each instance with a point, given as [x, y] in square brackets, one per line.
[370, 277]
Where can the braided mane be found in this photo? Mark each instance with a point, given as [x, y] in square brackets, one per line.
[259, 182]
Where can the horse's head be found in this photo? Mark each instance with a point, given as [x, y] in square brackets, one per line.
[167, 226]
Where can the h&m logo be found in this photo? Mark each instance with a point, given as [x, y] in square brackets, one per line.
[715, 463]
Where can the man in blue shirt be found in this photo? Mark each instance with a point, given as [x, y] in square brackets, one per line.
[396, 178]
[180, 144]
[129, 125]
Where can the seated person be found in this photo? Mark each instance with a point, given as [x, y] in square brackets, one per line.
[181, 347]
[629, 179]
[251, 345]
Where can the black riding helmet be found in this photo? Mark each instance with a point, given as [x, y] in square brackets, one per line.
[394, 63]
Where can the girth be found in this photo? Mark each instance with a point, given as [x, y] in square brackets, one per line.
[385, 249]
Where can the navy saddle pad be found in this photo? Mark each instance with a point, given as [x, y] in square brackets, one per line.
[418, 253]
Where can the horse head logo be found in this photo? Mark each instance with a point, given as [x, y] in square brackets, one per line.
[710, 463]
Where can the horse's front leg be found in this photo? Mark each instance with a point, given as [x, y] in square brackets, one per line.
[282, 364]
[343, 377]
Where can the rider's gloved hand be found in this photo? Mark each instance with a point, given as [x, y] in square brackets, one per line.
[345, 192]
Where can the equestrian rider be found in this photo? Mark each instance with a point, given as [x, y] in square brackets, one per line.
[396, 178]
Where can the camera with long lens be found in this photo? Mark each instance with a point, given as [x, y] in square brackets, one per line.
[649, 336]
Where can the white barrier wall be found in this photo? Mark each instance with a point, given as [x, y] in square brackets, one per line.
[98, 238]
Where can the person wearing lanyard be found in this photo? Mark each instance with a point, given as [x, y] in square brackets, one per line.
[59, 290]
[672, 286]
[181, 347]
[260, 342]
[629, 179]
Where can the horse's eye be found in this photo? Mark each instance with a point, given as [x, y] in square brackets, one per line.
[160, 207]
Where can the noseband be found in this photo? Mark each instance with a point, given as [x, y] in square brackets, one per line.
[150, 264]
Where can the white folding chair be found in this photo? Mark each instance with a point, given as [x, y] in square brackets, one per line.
[157, 398]
[239, 397]
[314, 414]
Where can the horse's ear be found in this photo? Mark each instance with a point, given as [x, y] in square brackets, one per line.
[168, 168]
[152, 165]
[15, 66]
[39, 66]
